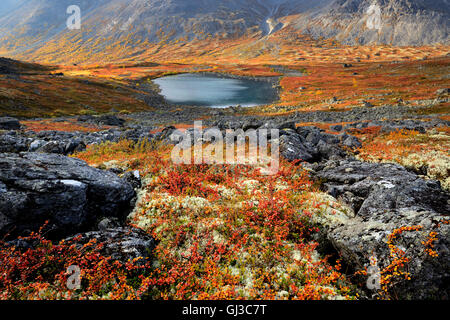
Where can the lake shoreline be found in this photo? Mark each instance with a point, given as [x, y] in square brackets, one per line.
[197, 90]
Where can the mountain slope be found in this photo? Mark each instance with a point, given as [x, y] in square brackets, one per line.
[396, 22]
[31, 23]
[37, 28]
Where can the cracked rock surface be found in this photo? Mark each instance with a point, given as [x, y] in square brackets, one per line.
[385, 197]
[36, 187]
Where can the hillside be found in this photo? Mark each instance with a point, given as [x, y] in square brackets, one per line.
[33, 90]
[34, 29]
[401, 22]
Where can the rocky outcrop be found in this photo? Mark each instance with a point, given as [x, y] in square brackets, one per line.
[312, 144]
[74, 198]
[36, 187]
[11, 142]
[67, 143]
[385, 197]
[384, 116]
[293, 147]
[8, 123]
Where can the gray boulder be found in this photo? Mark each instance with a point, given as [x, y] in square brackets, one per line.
[63, 146]
[292, 148]
[385, 197]
[337, 128]
[12, 143]
[8, 123]
[384, 187]
[133, 178]
[351, 142]
[109, 120]
[57, 147]
[311, 144]
[39, 187]
[251, 124]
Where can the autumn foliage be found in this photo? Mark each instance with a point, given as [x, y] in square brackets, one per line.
[223, 232]
[38, 271]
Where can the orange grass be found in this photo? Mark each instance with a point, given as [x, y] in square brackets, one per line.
[66, 126]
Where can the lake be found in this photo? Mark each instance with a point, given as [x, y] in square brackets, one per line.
[209, 90]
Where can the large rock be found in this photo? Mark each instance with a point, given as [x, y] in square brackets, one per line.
[292, 148]
[109, 120]
[385, 197]
[11, 142]
[311, 144]
[383, 187]
[8, 123]
[36, 187]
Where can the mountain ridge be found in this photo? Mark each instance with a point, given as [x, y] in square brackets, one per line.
[401, 22]
[32, 25]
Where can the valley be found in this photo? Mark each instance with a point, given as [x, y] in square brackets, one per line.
[357, 119]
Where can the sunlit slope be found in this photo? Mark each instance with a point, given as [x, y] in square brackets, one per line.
[36, 29]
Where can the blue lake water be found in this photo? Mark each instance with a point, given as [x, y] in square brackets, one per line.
[215, 91]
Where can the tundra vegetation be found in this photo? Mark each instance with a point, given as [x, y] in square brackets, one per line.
[226, 231]
[223, 232]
